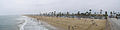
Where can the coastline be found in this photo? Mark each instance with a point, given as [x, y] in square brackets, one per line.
[73, 23]
[28, 23]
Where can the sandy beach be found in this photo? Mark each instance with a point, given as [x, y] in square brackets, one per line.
[28, 23]
[73, 23]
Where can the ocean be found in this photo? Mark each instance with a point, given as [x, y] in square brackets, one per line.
[17, 22]
[8, 22]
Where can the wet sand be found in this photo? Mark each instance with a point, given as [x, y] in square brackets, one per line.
[28, 23]
[73, 23]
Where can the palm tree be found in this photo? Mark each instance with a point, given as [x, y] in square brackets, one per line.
[106, 14]
[114, 12]
[87, 13]
[101, 11]
[78, 13]
[54, 13]
[67, 13]
[90, 12]
[95, 13]
[111, 13]
[60, 14]
[72, 15]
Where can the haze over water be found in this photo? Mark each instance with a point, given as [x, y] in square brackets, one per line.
[8, 22]
[18, 22]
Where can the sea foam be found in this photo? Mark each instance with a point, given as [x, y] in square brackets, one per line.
[27, 23]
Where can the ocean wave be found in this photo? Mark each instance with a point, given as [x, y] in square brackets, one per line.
[27, 23]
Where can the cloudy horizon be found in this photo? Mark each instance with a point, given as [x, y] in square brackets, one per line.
[8, 7]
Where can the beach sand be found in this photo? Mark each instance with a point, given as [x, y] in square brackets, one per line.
[62, 23]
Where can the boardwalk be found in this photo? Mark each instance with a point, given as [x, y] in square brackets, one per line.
[115, 23]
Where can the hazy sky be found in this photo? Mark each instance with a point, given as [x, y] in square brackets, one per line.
[35, 6]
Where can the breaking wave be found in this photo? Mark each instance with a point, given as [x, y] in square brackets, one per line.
[27, 23]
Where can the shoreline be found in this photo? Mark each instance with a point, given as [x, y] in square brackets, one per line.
[28, 23]
[73, 23]
[22, 22]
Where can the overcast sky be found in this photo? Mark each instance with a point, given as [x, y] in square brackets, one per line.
[8, 7]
